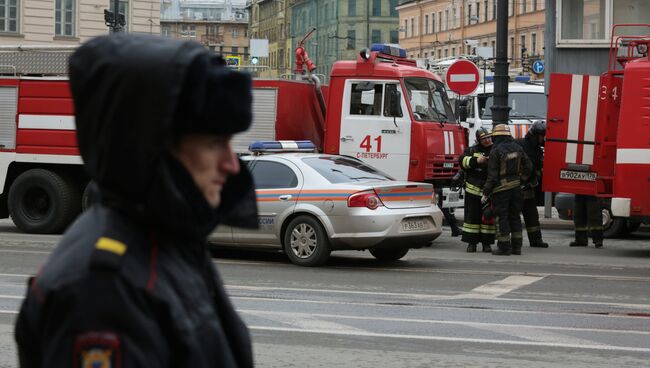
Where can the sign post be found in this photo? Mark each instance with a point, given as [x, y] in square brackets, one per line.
[462, 77]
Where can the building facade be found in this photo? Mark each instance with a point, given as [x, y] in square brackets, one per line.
[48, 22]
[580, 30]
[437, 29]
[220, 25]
[37, 36]
[270, 20]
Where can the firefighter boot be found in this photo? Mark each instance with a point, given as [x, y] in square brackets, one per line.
[516, 246]
[487, 248]
[471, 248]
[503, 249]
[538, 244]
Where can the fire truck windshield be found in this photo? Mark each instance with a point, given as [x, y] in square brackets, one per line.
[428, 99]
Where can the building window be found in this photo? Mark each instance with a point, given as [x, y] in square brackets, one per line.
[188, 30]
[376, 8]
[406, 34]
[533, 43]
[485, 19]
[124, 9]
[534, 5]
[235, 50]
[478, 12]
[426, 24]
[63, 17]
[446, 52]
[453, 18]
[412, 28]
[494, 9]
[446, 19]
[376, 36]
[469, 14]
[494, 46]
[9, 16]
[439, 53]
[524, 7]
[394, 37]
[439, 21]
[512, 48]
[352, 35]
[393, 5]
[165, 30]
[352, 8]
[523, 46]
[453, 51]
[433, 22]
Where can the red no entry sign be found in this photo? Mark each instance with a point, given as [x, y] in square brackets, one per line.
[462, 77]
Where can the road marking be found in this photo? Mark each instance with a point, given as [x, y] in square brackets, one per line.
[455, 339]
[304, 321]
[497, 288]
[482, 325]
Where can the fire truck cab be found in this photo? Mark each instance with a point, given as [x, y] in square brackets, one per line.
[598, 135]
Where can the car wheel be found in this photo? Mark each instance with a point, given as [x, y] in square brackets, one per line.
[632, 226]
[612, 227]
[384, 254]
[306, 242]
[43, 202]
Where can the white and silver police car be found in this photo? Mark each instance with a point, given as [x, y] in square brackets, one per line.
[310, 204]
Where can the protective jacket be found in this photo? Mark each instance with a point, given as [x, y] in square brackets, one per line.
[508, 166]
[475, 173]
[131, 284]
[535, 153]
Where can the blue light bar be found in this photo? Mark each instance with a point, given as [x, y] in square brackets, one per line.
[282, 146]
[389, 49]
[522, 78]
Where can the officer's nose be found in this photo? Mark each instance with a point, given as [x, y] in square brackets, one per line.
[229, 164]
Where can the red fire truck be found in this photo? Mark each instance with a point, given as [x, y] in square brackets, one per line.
[598, 135]
[381, 108]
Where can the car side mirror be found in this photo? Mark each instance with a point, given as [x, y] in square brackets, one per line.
[462, 112]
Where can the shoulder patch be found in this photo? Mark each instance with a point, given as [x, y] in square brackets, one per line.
[108, 253]
[111, 245]
[97, 350]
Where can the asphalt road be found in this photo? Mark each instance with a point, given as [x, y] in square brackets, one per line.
[440, 306]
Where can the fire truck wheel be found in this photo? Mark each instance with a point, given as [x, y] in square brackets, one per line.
[43, 202]
[389, 254]
[306, 242]
[612, 227]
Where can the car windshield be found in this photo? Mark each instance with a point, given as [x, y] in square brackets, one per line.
[337, 169]
[428, 100]
[526, 105]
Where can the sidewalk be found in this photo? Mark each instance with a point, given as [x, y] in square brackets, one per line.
[546, 223]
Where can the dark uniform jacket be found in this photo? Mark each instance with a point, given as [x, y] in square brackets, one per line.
[535, 153]
[508, 166]
[131, 284]
[475, 173]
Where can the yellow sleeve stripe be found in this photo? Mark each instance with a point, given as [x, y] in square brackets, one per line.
[111, 245]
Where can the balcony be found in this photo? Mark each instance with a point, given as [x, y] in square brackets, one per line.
[211, 39]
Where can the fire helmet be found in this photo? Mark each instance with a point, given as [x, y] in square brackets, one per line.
[482, 133]
[501, 130]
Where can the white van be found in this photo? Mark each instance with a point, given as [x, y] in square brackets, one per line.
[526, 100]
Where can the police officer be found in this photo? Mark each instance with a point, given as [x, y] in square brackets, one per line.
[508, 168]
[131, 283]
[474, 161]
[532, 145]
[587, 218]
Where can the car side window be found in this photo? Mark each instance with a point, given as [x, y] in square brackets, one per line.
[272, 175]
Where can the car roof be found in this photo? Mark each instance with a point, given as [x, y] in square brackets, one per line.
[512, 87]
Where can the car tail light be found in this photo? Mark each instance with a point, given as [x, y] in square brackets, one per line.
[368, 199]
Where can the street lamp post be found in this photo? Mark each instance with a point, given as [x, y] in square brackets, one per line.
[500, 109]
[114, 19]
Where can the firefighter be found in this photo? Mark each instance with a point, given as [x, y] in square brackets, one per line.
[508, 168]
[532, 145]
[587, 218]
[474, 162]
[131, 283]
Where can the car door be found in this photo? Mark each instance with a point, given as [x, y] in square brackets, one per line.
[368, 133]
[277, 187]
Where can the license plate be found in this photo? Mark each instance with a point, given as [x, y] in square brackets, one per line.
[577, 175]
[414, 225]
[448, 165]
[452, 197]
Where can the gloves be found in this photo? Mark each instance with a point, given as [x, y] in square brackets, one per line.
[484, 199]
